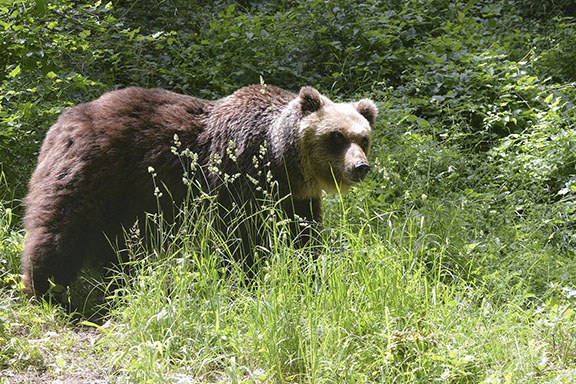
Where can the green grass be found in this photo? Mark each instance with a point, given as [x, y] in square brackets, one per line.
[378, 305]
[387, 300]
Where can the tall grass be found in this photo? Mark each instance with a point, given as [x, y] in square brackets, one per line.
[379, 300]
[407, 294]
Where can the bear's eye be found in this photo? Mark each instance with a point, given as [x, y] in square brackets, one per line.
[337, 139]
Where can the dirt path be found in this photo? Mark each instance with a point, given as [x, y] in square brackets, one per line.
[68, 357]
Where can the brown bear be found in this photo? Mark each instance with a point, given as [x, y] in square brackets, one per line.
[93, 177]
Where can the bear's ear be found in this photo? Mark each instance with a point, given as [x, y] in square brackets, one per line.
[310, 100]
[368, 109]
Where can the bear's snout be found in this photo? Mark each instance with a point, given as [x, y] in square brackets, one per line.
[361, 169]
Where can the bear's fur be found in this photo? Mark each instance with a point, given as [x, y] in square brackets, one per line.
[93, 174]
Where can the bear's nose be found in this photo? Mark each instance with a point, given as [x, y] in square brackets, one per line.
[361, 169]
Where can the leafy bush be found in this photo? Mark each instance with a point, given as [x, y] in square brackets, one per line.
[48, 63]
[560, 52]
[439, 56]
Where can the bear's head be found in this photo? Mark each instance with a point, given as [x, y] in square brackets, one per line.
[335, 140]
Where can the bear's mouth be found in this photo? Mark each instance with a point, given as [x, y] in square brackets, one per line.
[346, 183]
[355, 175]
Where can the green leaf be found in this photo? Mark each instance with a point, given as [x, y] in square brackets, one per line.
[423, 123]
[15, 72]
[412, 118]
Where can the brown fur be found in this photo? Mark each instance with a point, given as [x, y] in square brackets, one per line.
[92, 176]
